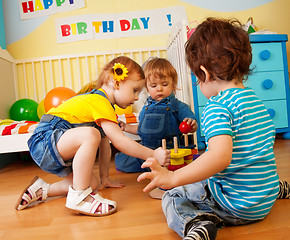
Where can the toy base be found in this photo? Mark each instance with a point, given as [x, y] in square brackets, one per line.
[175, 167]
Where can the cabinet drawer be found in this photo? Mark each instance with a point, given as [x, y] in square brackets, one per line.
[268, 85]
[278, 113]
[267, 56]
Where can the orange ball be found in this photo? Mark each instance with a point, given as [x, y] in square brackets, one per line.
[57, 96]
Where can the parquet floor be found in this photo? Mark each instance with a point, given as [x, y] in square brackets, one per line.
[138, 216]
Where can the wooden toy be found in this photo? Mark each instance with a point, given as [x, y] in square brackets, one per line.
[178, 154]
[185, 128]
[180, 157]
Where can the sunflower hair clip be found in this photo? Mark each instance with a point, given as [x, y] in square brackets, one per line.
[119, 72]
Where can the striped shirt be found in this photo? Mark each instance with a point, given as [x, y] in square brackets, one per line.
[248, 187]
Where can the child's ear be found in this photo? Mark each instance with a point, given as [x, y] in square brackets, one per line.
[116, 85]
[206, 73]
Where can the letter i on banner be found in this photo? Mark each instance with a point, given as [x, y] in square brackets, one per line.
[74, 29]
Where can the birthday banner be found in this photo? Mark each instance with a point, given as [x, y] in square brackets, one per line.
[38, 8]
[128, 24]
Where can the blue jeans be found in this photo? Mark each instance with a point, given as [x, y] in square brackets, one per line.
[42, 144]
[194, 201]
[129, 164]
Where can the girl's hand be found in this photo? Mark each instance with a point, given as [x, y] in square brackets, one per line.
[106, 183]
[159, 176]
[163, 156]
[122, 125]
[192, 123]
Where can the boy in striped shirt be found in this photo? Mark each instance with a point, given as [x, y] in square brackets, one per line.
[235, 181]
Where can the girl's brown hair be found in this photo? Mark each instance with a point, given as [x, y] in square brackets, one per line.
[222, 47]
[160, 68]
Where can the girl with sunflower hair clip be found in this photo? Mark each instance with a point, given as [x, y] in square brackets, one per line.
[68, 137]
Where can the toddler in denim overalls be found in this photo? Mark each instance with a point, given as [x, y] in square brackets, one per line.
[160, 116]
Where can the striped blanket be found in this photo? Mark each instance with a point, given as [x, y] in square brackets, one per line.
[10, 127]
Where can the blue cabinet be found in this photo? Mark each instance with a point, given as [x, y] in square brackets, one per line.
[269, 80]
[2, 28]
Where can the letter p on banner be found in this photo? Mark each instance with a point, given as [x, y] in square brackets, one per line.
[27, 7]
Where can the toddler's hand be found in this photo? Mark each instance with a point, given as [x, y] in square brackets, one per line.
[163, 156]
[122, 125]
[159, 176]
[192, 123]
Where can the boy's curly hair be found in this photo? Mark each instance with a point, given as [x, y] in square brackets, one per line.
[222, 47]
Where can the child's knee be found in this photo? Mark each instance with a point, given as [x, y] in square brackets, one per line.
[93, 135]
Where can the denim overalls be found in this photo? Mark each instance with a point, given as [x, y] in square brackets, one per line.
[157, 121]
[42, 143]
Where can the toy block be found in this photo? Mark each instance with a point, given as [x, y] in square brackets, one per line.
[178, 158]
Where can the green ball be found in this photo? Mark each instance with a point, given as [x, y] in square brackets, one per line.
[24, 109]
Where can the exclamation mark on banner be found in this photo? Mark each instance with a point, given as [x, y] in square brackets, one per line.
[169, 19]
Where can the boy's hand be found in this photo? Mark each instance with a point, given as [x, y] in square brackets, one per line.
[163, 156]
[192, 123]
[159, 176]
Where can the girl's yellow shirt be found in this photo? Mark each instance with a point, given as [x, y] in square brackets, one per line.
[85, 108]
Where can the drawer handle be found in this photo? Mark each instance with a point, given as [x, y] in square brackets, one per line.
[268, 83]
[265, 54]
[271, 112]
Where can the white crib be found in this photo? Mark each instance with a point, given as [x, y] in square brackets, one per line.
[33, 78]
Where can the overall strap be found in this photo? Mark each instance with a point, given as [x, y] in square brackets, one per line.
[97, 91]
[174, 104]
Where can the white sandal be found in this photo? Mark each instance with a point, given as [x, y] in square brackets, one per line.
[75, 202]
[29, 193]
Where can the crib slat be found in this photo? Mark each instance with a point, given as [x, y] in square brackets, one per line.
[43, 79]
[96, 66]
[51, 74]
[69, 73]
[34, 82]
[87, 68]
[79, 72]
[60, 72]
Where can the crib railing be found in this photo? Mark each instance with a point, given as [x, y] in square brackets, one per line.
[33, 78]
[176, 55]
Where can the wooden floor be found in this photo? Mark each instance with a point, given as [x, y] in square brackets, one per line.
[138, 216]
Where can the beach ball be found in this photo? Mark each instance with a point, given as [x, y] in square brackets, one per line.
[40, 109]
[57, 96]
[24, 109]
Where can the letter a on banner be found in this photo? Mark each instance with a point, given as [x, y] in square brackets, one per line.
[38, 8]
